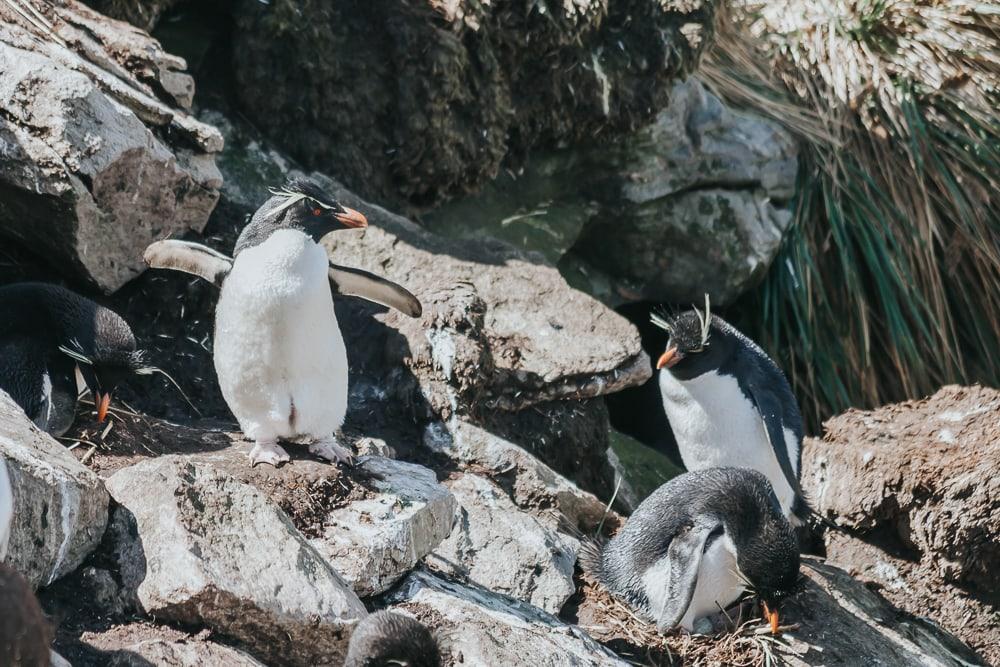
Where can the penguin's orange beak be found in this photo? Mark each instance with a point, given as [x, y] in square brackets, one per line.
[351, 218]
[103, 401]
[669, 358]
[771, 615]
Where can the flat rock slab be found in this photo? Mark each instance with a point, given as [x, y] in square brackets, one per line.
[196, 546]
[483, 628]
[374, 541]
[164, 653]
[60, 507]
[500, 547]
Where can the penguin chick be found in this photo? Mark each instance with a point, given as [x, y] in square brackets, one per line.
[696, 544]
[25, 634]
[49, 334]
[729, 404]
[279, 353]
[385, 639]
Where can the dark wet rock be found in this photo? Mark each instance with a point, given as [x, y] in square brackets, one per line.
[98, 156]
[418, 101]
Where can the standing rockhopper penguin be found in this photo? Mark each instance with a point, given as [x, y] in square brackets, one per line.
[729, 404]
[47, 335]
[279, 354]
[696, 544]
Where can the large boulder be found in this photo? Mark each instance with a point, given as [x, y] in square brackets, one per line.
[60, 507]
[420, 100]
[916, 484]
[98, 155]
[196, 546]
[499, 547]
[696, 202]
[483, 628]
[375, 541]
[165, 653]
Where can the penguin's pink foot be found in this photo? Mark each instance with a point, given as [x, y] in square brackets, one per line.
[329, 449]
[268, 451]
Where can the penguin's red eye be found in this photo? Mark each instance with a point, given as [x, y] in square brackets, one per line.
[317, 212]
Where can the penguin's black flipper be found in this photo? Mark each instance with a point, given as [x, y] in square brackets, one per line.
[355, 282]
[43, 384]
[684, 559]
[770, 408]
[188, 257]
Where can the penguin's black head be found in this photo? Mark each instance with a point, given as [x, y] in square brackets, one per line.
[301, 204]
[386, 638]
[697, 343]
[770, 562]
[106, 357]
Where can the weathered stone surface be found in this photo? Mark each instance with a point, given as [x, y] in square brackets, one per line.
[165, 653]
[87, 177]
[143, 14]
[60, 507]
[529, 482]
[375, 541]
[496, 545]
[418, 101]
[693, 203]
[917, 482]
[487, 629]
[198, 547]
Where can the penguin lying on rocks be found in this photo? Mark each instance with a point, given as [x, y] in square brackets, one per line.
[729, 404]
[279, 354]
[47, 335]
[695, 545]
[385, 639]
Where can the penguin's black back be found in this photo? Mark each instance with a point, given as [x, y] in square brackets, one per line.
[387, 638]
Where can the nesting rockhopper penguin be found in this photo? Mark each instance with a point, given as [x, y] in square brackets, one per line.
[47, 335]
[696, 544]
[385, 639]
[279, 353]
[729, 404]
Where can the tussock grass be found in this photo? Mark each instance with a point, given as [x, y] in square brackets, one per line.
[888, 283]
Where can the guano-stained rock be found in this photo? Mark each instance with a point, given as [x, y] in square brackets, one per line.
[195, 546]
[60, 507]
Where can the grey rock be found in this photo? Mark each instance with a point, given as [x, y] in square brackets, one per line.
[94, 165]
[376, 541]
[532, 484]
[498, 546]
[196, 546]
[60, 507]
[487, 629]
[167, 653]
[698, 202]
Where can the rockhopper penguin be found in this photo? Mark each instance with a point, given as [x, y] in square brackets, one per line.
[729, 404]
[389, 639]
[48, 334]
[279, 353]
[696, 544]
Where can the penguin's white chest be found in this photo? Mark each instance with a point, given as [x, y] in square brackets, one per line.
[718, 585]
[715, 424]
[279, 353]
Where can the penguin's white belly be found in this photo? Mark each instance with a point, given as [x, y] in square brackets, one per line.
[715, 424]
[6, 508]
[279, 353]
[718, 584]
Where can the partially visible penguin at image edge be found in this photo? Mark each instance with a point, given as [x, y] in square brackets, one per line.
[729, 404]
[279, 353]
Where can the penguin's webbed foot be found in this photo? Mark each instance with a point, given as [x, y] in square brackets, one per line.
[268, 451]
[331, 450]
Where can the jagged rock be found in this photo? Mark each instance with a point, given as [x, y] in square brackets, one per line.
[917, 482]
[487, 629]
[97, 156]
[373, 542]
[496, 545]
[60, 507]
[196, 546]
[165, 653]
[695, 203]
[529, 482]
[421, 100]
[143, 14]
